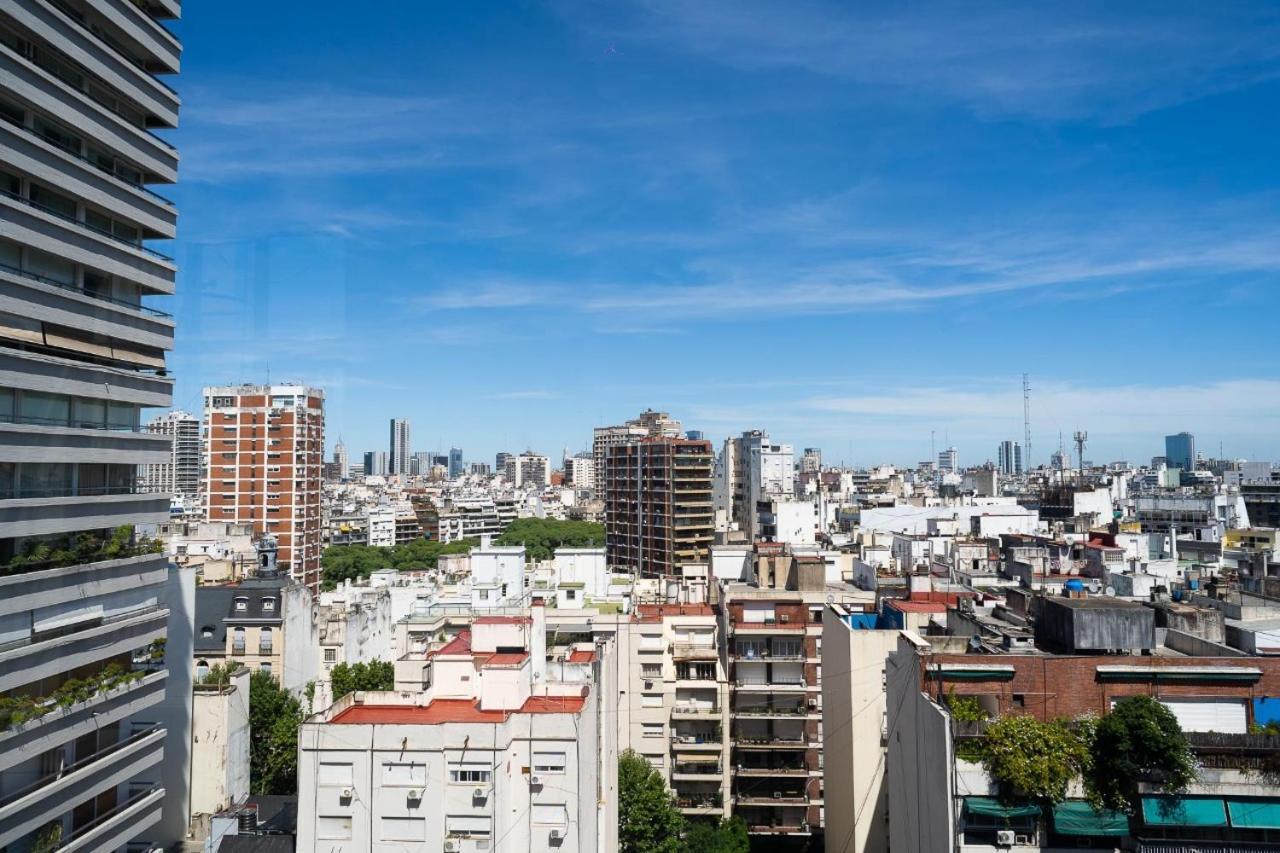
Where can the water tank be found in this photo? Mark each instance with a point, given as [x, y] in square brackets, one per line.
[1177, 595]
[1074, 585]
[1194, 583]
[247, 821]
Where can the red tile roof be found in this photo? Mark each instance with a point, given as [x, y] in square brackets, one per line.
[503, 620]
[459, 645]
[655, 612]
[916, 606]
[442, 711]
[501, 659]
[582, 656]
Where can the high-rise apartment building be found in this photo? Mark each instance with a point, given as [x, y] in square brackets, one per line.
[179, 475]
[455, 463]
[649, 423]
[529, 469]
[948, 461]
[375, 463]
[811, 461]
[1180, 450]
[580, 471]
[398, 454]
[658, 511]
[761, 471]
[264, 453]
[1009, 458]
[83, 351]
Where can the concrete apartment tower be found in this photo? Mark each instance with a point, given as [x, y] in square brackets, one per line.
[649, 423]
[83, 351]
[398, 452]
[658, 510]
[180, 474]
[264, 445]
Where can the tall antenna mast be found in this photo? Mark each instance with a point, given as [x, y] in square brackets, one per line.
[1081, 438]
[1026, 421]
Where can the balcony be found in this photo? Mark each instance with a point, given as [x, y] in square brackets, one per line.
[40, 656]
[706, 740]
[796, 770]
[681, 651]
[696, 711]
[777, 799]
[25, 810]
[784, 712]
[695, 804]
[115, 828]
[754, 743]
[767, 628]
[697, 771]
[63, 725]
[788, 685]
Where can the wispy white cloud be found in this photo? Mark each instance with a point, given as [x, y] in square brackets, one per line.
[528, 394]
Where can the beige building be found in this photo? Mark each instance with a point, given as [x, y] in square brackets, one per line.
[219, 747]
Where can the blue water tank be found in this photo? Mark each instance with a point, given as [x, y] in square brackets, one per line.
[1074, 585]
[1177, 595]
[1194, 583]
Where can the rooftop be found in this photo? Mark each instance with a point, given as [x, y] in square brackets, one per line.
[440, 711]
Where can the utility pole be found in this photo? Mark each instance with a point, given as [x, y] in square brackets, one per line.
[1081, 438]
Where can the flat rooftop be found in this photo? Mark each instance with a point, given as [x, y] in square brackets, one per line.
[441, 711]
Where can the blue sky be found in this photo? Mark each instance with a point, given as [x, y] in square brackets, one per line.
[850, 225]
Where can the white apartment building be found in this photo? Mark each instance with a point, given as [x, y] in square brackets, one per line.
[529, 469]
[580, 471]
[761, 470]
[490, 756]
[381, 526]
[179, 475]
[497, 575]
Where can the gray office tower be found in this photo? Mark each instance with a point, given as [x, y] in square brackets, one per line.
[95, 626]
[1180, 450]
[398, 457]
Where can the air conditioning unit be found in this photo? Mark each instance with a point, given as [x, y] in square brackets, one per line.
[1006, 838]
[452, 845]
[777, 795]
[479, 793]
[813, 703]
[535, 781]
[557, 835]
[784, 617]
[414, 794]
[1024, 840]
[346, 793]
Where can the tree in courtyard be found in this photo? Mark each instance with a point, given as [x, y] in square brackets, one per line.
[1139, 741]
[1033, 760]
[727, 836]
[374, 675]
[648, 821]
[274, 717]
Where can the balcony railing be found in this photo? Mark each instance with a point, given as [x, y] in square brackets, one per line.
[692, 710]
[776, 682]
[697, 768]
[144, 309]
[711, 801]
[118, 746]
[767, 711]
[85, 225]
[19, 493]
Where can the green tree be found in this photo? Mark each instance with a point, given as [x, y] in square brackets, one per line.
[1034, 760]
[727, 836]
[1139, 741]
[274, 717]
[541, 536]
[375, 675]
[356, 562]
[648, 821]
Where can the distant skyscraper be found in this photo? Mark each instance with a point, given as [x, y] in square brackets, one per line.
[948, 461]
[811, 461]
[264, 453]
[1180, 450]
[761, 470]
[500, 462]
[180, 474]
[1010, 462]
[340, 458]
[375, 463]
[1018, 466]
[529, 469]
[455, 462]
[420, 463]
[398, 455]
[649, 423]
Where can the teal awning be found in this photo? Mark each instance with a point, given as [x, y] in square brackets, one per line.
[1254, 814]
[991, 807]
[1183, 811]
[1081, 819]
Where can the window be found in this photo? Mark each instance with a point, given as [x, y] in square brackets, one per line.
[651, 729]
[658, 761]
[550, 814]
[466, 826]
[650, 700]
[548, 762]
[241, 605]
[404, 829]
[237, 641]
[268, 605]
[401, 774]
[264, 641]
[469, 773]
[330, 655]
[570, 594]
[651, 670]
[265, 667]
[335, 774]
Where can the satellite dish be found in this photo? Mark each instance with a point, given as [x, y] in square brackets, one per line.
[831, 599]
[1111, 591]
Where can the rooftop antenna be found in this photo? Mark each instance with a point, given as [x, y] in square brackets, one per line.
[1026, 421]
[1081, 438]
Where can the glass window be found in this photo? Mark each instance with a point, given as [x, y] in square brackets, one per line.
[6, 404]
[90, 413]
[39, 407]
[97, 221]
[8, 478]
[469, 773]
[45, 479]
[56, 202]
[48, 266]
[548, 762]
[10, 184]
[10, 255]
[122, 416]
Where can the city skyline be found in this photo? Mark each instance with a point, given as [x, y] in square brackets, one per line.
[716, 181]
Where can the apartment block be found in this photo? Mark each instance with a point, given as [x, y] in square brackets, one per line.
[674, 705]
[82, 351]
[264, 465]
[528, 469]
[658, 512]
[398, 448]
[761, 470]
[491, 754]
[179, 475]
[648, 424]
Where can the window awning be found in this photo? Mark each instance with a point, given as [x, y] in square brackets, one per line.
[971, 672]
[1183, 811]
[991, 807]
[1254, 814]
[1080, 819]
[1180, 674]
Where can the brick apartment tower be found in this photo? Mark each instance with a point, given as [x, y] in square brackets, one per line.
[264, 458]
[658, 513]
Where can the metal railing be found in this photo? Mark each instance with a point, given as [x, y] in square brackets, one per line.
[45, 781]
[85, 225]
[18, 493]
[79, 156]
[70, 423]
[136, 306]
